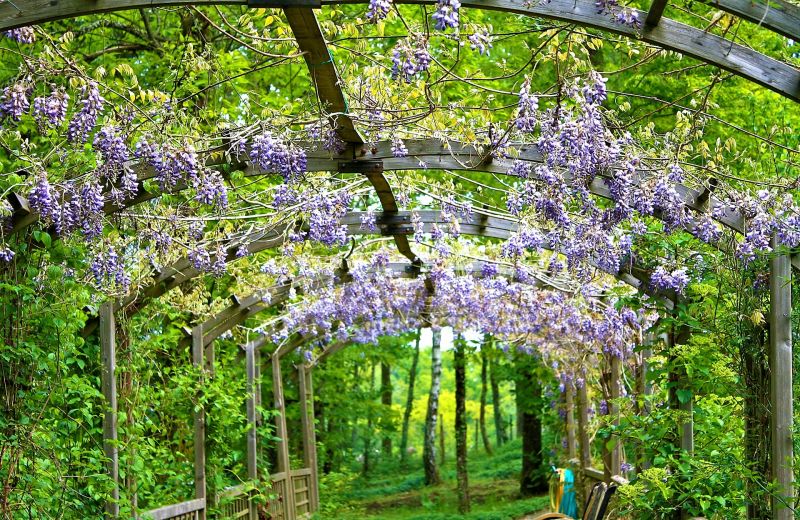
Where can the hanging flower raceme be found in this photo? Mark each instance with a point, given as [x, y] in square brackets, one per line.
[22, 35]
[446, 14]
[51, 109]
[527, 108]
[409, 58]
[378, 10]
[481, 41]
[85, 119]
[15, 101]
[273, 155]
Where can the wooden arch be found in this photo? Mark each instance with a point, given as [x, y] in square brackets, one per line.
[775, 75]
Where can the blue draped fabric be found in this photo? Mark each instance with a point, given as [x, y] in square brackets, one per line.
[569, 503]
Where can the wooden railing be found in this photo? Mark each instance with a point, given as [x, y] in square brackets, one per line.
[277, 505]
[189, 510]
[236, 502]
[301, 478]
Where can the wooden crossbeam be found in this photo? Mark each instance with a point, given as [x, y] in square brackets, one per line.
[776, 15]
[438, 155]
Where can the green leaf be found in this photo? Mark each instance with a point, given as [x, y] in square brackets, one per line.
[684, 395]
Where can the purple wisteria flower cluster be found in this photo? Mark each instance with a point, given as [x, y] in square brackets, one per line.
[274, 155]
[22, 35]
[320, 211]
[409, 58]
[621, 15]
[580, 151]
[51, 109]
[85, 119]
[377, 303]
[676, 280]
[378, 10]
[446, 15]
[481, 41]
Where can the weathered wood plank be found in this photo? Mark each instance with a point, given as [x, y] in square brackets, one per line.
[108, 342]
[776, 15]
[594, 473]
[309, 432]
[584, 443]
[777, 76]
[175, 510]
[282, 432]
[252, 434]
[313, 461]
[655, 12]
[199, 423]
[780, 359]
[569, 398]
[322, 69]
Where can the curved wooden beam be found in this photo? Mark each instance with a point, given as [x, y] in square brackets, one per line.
[667, 34]
[241, 310]
[391, 224]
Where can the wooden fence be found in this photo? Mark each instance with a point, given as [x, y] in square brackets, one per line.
[237, 503]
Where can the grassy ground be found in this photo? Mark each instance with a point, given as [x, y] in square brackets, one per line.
[392, 492]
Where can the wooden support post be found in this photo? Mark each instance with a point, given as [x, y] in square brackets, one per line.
[613, 409]
[309, 433]
[678, 378]
[569, 396]
[780, 361]
[655, 13]
[284, 465]
[252, 392]
[585, 448]
[109, 387]
[644, 391]
[199, 425]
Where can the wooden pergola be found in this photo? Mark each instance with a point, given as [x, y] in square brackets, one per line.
[777, 16]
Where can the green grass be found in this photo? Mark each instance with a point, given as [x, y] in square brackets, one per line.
[391, 492]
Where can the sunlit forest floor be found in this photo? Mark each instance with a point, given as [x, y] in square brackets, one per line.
[393, 492]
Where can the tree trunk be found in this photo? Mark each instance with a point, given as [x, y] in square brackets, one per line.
[499, 423]
[386, 401]
[368, 433]
[442, 451]
[429, 449]
[482, 418]
[462, 476]
[412, 377]
[529, 395]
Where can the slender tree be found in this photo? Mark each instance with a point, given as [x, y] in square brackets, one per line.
[442, 450]
[462, 475]
[482, 417]
[386, 401]
[429, 449]
[529, 396]
[412, 377]
[499, 422]
[368, 433]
